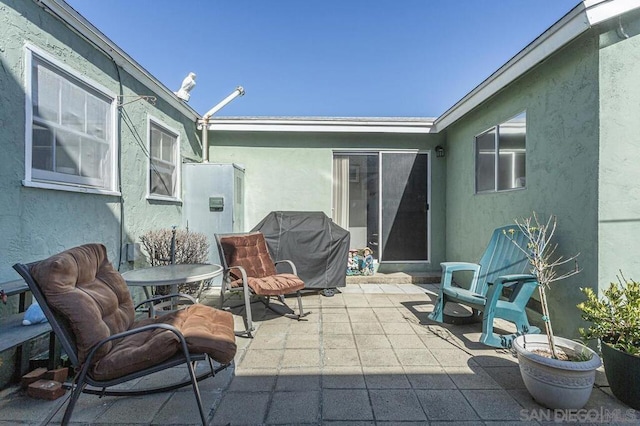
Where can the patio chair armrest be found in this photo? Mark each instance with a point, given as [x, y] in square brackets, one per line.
[116, 336]
[513, 279]
[243, 274]
[448, 268]
[459, 266]
[290, 263]
[519, 280]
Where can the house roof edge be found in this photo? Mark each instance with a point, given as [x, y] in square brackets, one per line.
[323, 124]
[578, 20]
[64, 12]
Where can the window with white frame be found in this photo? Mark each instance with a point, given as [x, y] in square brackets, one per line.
[163, 161]
[70, 139]
[501, 156]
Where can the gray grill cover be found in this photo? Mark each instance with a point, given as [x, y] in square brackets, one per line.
[318, 247]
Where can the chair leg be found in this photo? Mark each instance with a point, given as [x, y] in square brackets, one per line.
[77, 386]
[438, 309]
[301, 313]
[291, 313]
[222, 292]
[196, 392]
[247, 304]
[488, 337]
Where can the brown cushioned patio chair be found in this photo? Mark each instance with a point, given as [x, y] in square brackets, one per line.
[90, 309]
[249, 268]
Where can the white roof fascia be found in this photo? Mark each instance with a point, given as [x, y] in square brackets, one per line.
[77, 22]
[577, 21]
[322, 125]
[602, 10]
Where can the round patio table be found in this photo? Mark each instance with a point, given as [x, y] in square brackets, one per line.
[170, 275]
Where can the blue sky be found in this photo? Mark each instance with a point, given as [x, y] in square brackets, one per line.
[337, 58]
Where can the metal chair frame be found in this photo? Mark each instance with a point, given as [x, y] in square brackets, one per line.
[248, 292]
[82, 378]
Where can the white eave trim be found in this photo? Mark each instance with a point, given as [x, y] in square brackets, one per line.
[73, 19]
[322, 125]
[581, 18]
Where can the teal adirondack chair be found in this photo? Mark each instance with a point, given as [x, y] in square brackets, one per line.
[502, 265]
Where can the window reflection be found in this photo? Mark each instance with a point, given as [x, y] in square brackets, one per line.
[501, 156]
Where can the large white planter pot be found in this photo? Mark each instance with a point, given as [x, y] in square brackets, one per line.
[551, 382]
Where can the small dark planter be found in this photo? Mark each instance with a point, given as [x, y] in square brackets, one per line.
[623, 374]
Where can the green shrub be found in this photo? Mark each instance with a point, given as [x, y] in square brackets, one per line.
[614, 318]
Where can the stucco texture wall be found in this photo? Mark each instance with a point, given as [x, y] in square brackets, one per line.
[560, 97]
[36, 222]
[293, 171]
[619, 187]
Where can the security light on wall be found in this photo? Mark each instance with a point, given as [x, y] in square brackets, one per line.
[439, 151]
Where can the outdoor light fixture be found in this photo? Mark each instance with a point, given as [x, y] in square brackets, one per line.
[439, 151]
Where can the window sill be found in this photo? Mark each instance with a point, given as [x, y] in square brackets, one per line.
[157, 198]
[69, 188]
[502, 191]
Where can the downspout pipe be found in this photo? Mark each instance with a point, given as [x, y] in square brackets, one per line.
[205, 120]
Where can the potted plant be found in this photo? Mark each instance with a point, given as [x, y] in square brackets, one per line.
[615, 322]
[557, 372]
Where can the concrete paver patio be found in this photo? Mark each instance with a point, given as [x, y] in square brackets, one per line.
[367, 356]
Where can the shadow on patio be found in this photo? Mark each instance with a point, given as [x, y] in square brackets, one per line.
[365, 356]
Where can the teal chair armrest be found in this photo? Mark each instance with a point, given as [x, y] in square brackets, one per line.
[448, 268]
[525, 285]
[511, 280]
[459, 266]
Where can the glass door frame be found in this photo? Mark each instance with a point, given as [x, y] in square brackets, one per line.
[428, 195]
[380, 153]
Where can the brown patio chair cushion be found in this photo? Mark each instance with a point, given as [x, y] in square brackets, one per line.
[250, 252]
[88, 292]
[205, 329]
[274, 285]
[84, 288]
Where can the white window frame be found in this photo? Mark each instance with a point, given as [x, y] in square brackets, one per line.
[516, 184]
[62, 181]
[151, 122]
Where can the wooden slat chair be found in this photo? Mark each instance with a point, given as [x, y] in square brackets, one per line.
[502, 265]
[90, 309]
[249, 268]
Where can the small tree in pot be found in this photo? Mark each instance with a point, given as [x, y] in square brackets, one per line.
[557, 372]
[615, 321]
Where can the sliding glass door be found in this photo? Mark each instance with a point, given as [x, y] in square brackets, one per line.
[355, 198]
[381, 198]
[404, 206]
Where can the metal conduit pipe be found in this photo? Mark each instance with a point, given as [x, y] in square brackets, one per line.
[205, 120]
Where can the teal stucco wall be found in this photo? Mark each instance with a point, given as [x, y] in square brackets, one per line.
[36, 222]
[39, 222]
[619, 187]
[560, 97]
[293, 171]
